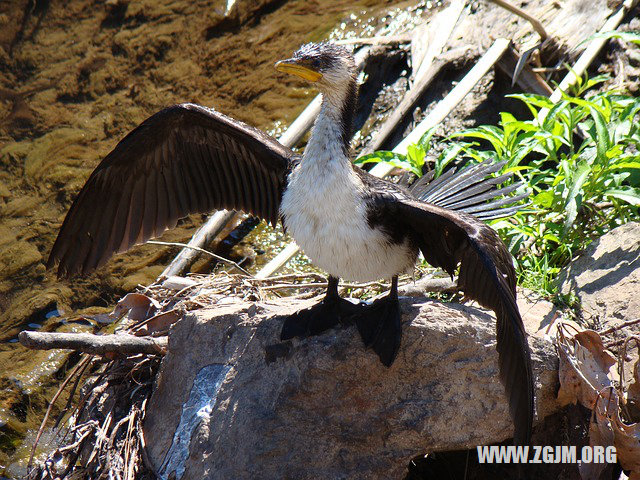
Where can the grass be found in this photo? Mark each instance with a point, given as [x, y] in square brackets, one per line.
[580, 160]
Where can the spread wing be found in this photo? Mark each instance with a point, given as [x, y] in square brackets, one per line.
[184, 159]
[448, 239]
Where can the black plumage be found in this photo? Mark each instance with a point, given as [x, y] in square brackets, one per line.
[184, 159]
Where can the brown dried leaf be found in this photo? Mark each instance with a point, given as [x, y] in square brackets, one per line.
[570, 382]
[627, 442]
[627, 355]
[600, 431]
[591, 340]
[139, 306]
[585, 367]
[158, 323]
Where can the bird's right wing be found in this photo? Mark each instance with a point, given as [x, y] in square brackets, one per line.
[448, 239]
[184, 159]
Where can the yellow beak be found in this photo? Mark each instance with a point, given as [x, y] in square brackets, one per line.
[290, 66]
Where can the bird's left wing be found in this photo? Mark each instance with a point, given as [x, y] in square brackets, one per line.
[184, 159]
[448, 239]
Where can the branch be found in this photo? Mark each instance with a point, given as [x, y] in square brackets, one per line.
[201, 250]
[95, 344]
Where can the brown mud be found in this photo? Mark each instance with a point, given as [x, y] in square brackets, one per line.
[75, 77]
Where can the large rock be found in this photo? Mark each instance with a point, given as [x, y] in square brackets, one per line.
[606, 277]
[233, 402]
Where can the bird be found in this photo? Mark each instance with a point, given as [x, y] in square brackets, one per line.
[189, 158]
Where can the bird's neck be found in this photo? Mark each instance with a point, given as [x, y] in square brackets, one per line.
[331, 134]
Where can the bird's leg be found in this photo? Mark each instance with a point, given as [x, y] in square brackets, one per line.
[380, 325]
[330, 312]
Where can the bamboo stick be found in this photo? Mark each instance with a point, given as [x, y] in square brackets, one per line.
[588, 56]
[436, 116]
[591, 52]
[451, 101]
[445, 22]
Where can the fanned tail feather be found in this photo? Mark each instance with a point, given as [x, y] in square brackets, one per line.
[472, 190]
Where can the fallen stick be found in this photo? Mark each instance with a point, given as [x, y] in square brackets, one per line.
[619, 327]
[439, 113]
[81, 364]
[205, 235]
[452, 100]
[94, 344]
[277, 262]
[384, 40]
[226, 261]
[589, 54]
[445, 22]
[216, 223]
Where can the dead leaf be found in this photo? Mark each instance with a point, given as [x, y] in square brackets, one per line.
[159, 323]
[627, 442]
[139, 307]
[592, 341]
[633, 391]
[586, 367]
[600, 431]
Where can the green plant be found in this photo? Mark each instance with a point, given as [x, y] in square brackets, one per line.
[633, 37]
[580, 159]
[413, 161]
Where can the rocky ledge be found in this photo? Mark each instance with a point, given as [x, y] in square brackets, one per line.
[233, 402]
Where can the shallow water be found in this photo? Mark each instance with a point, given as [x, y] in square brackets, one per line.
[76, 78]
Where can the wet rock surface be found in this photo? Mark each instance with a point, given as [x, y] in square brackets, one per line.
[325, 407]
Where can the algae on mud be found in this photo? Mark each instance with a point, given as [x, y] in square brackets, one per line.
[74, 79]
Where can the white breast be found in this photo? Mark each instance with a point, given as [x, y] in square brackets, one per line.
[325, 213]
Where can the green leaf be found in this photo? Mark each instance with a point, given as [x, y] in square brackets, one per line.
[447, 156]
[553, 113]
[415, 156]
[603, 141]
[425, 140]
[551, 237]
[379, 156]
[622, 165]
[629, 195]
[571, 205]
[633, 37]
[532, 99]
[544, 199]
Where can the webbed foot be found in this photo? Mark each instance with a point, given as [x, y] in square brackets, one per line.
[327, 314]
[380, 326]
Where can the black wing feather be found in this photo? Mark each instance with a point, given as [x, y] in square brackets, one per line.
[184, 159]
[468, 190]
[448, 239]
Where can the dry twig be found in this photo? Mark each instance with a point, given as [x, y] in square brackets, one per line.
[94, 344]
[202, 250]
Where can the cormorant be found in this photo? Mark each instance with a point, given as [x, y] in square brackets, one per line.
[188, 158]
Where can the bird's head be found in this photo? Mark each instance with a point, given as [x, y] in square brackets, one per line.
[326, 64]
